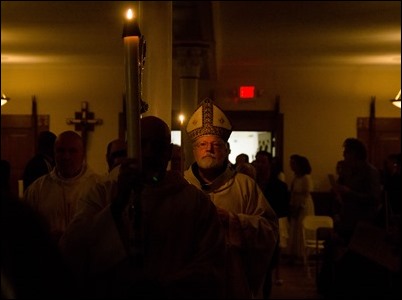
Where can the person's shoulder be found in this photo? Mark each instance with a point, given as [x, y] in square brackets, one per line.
[307, 177]
[37, 161]
[184, 182]
[242, 176]
[190, 188]
[190, 177]
[40, 184]
[42, 179]
[36, 157]
[90, 174]
[280, 183]
[184, 188]
[188, 173]
[244, 179]
[367, 169]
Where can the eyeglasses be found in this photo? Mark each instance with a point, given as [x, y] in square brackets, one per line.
[206, 145]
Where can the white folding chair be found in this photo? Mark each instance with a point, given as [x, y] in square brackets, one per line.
[313, 244]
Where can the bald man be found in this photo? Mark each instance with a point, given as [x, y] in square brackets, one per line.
[116, 151]
[150, 234]
[55, 194]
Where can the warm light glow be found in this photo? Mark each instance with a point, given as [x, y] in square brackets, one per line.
[398, 96]
[397, 103]
[4, 99]
[181, 119]
[31, 59]
[397, 100]
[130, 14]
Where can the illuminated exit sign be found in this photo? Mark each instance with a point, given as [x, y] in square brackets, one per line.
[247, 92]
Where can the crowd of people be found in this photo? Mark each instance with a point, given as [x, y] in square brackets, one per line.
[148, 228]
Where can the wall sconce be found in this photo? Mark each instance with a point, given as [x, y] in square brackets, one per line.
[4, 99]
[396, 101]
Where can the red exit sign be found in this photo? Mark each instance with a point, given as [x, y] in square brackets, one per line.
[247, 92]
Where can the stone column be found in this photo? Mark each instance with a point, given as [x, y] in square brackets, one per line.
[190, 58]
[157, 74]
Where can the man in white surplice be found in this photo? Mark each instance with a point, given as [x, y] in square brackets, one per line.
[250, 223]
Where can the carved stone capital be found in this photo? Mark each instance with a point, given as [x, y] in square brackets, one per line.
[190, 58]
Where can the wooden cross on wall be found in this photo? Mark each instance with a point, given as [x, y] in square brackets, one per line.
[84, 121]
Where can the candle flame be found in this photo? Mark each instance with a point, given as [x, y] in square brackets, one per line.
[130, 14]
[181, 119]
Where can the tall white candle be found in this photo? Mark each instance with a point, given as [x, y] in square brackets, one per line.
[131, 36]
[182, 133]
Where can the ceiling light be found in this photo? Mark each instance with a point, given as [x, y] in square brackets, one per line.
[396, 101]
[4, 99]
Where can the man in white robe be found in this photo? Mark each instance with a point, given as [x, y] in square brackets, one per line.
[55, 195]
[150, 234]
[250, 223]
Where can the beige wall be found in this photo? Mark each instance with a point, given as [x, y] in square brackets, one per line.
[320, 105]
[60, 96]
[59, 93]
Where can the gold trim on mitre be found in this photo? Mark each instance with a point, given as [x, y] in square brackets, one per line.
[208, 119]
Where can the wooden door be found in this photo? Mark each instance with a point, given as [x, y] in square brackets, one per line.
[382, 137]
[18, 143]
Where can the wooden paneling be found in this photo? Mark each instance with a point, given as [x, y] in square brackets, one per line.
[382, 137]
[18, 143]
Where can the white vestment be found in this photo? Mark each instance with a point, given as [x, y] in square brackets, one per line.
[55, 198]
[251, 235]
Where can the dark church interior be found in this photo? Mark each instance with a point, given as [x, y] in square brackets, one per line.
[293, 77]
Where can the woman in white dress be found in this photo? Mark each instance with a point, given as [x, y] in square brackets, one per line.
[301, 205]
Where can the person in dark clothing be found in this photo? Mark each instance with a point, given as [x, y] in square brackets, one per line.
[5, 178]
[277, 193]
[31, 264]
[392, 184]
[275, 190]
[346, 268]
[116, 151]
[43, 161]
[359, 189]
